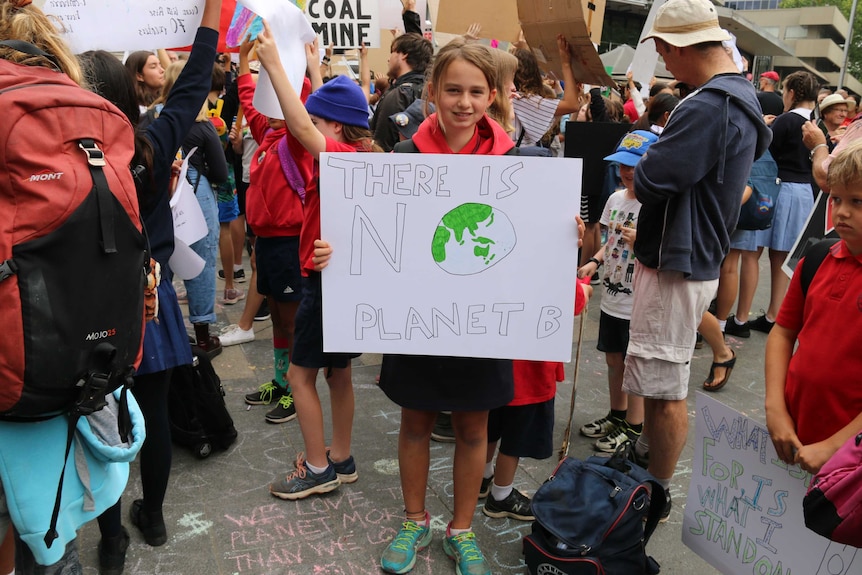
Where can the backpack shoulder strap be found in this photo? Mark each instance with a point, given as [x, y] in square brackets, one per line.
[290, 169]
[813, 258]
[405, 147]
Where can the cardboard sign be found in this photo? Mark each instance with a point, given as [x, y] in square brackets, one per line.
[121, 25]
[543, 20]
[440, 254]
[743, 513]
[499, 18]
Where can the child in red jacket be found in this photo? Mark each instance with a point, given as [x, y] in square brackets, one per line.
[523, 428]
[274, 211]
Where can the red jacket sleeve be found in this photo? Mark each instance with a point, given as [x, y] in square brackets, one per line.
[257, 122]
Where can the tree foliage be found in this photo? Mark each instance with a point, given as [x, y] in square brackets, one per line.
[854, 62]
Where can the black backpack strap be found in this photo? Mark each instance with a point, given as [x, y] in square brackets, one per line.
[405, 147]
[94, 387]
[28, 48]
[814, 256]
[96, 161]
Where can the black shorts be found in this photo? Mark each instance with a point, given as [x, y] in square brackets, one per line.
[308, 331]
[613, 334]
[591, 208]
[278, 271]
[523, 430]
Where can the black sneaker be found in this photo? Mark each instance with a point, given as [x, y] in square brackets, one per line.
[262, 312]
[516, 505]
[698, 341]
[665, 514]
[152, 526]
[734, 329]
[112, 553]
[443, 431]
[485, 489]
[265, 394]
[238, 275]
[761, 324]
[284, 411]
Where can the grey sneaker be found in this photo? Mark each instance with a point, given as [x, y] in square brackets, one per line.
[345, 470]
[302, 482]
[516, 505]
[265, 394]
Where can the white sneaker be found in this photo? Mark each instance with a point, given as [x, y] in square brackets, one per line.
[235, 335]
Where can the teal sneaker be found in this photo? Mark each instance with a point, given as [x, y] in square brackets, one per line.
[400, 555]
[463, 550]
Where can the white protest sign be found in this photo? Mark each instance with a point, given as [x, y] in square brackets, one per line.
[291, 32]
[645, 58]
[345, 23]
[189, 222]
[743, 513]
[126, 25]
[460, 255]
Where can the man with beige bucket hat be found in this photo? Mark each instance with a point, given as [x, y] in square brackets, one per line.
[690, 185]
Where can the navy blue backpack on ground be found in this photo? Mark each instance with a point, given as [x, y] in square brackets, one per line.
[757, 212]
[590, 519]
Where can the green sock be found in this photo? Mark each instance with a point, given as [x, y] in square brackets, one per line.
[280, 363]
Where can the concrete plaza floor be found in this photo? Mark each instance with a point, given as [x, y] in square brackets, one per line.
[222, 520]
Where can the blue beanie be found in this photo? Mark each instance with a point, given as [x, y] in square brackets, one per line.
[340, 100]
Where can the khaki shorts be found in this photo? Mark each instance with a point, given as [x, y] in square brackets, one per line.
[665, 316]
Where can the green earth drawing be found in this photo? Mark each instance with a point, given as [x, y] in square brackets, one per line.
[472, 238]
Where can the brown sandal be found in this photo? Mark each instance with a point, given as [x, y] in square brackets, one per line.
[709, 384]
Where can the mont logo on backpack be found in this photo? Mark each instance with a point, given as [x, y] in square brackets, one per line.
[590, 519]
[72, 251]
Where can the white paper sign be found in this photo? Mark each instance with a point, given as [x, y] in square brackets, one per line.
[345, 23]
[189, 222]
[126, 25]
[291, 31]
[472, 256]
[744, 508]
[185, 262]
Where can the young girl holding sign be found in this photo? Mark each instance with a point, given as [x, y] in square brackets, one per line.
[334, 119]
[462, 86]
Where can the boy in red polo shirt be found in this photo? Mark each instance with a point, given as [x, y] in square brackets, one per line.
[813, 396]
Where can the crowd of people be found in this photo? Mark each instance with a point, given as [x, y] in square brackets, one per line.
[662, 226]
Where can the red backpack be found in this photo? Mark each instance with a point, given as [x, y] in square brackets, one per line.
[72, 251]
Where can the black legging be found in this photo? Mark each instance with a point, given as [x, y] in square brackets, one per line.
[151, 393]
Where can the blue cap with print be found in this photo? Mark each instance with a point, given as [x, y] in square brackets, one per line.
[632, 147]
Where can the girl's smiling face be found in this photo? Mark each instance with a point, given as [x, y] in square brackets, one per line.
[462, 96]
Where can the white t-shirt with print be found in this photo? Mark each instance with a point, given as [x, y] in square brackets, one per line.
[619, 261]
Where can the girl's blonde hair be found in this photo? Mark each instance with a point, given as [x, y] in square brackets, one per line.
[472, 53]
[30, 24]
[172, 72]
[356, 135]
[501, 108]
[845, 171]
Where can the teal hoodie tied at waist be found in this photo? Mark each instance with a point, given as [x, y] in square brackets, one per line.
[97, 470]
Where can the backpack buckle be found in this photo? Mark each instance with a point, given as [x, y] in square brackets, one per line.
[8, 269]
[95, 157]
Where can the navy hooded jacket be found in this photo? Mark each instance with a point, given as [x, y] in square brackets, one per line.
[690, 182]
